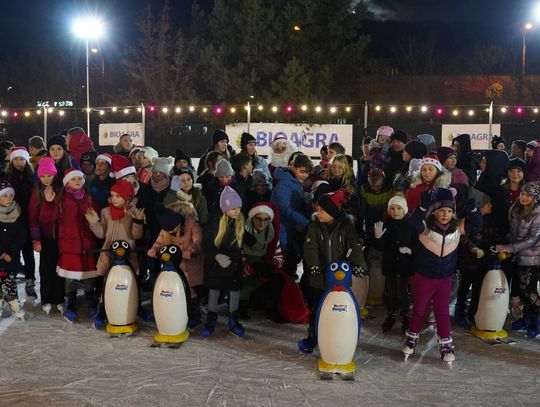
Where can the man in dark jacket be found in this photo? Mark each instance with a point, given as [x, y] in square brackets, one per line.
[466, 161]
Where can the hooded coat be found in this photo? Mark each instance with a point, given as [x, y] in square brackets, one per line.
[525, 238]
[418, 186]
[533, 166]
[79, 143]
[466, 160]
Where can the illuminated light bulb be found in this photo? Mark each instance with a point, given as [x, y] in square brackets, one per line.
[50, 110]
[205, 109]
[377, 108]
[126, 111]
[15, 114]
[152, 108]
[423, 109]
[101, 112]
[219, 110]
[192, 108]
[519, 110]
[455, 112]
[304, 108]
[165, 110]
[178, 110]
[471, 112]
[4, 113]
[233, 109]
[393, 109]
[333, 110]
[246, 108]
[289, 109]
[318, 109]
[38, 112]
[535, 110]
[408, 108]
[504, 109]
[439, 111]
[61, 112]
[260, 108]
[348, 109]
[139, 109]
[114, 109]
[26, 114]
[274, 109]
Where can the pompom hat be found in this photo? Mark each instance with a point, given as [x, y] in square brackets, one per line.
[46, 167]
[121, 167]
[333, 202]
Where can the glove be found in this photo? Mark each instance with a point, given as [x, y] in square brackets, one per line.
[223, 260]
[378, 230]
[358, 271]
[405, 250]
[479, 253]
[469, 205]
[315, 271]
[425, 200]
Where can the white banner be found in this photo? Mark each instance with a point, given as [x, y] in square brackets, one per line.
[308, 137]
[479, 134]
[109, 133]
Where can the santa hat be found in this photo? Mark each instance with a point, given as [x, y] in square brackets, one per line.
[533, 189]
[46, 167]
[433, 160]
[279, 137]
[443, 198]
[6, 188]
[71, 173]
[261, 208]
[19, 152]
[149, 153]
[399, 201]
[121, 167]
[163, 164]
[105, 157]
[229, 199]
[333, 202]
[125, 189]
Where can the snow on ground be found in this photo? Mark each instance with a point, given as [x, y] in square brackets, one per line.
[49, 362]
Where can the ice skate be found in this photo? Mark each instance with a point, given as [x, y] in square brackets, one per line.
[307, 345]
[326, 375]
[210, 326]
[389, 322]
[46, 308]
[446, 350]
[16, 309]
[60, 308]
[235, 327]
[70, 315]
[98, 317]
[409, 347]
[520, 325]
[30, 290]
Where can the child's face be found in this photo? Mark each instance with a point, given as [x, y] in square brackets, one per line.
[136, 160]
[428, 172]
[515, 175]
[376, 184]
[450, 162]
[233, 213]
[6, 199]
[261, 221]
[224, 180]
[336, 169]
[46, 180]
[261, 189]
[406, 156]
[56, 152]
[221, 146]
[248, 168]
[186, 182]
[87, 167]
[525, 199]
[117, 200]
[331, 153]
[529, 152]
[102, 168]
[76, 183]
[323, 216]
[33, 151]
[19, 163]
[181, 164]
[144, 162]
[250, 149]
[130, 178]
[486, 209]
[300, 173]
[443, 215]
[158, 176]
[396, 212]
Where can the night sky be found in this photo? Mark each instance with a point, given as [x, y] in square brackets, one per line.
[29, 23]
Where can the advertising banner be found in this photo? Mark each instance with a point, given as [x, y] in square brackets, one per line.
[479, 134]
[109, 133]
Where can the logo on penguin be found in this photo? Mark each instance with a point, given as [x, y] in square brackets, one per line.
[166, 293]
[121, 287]
[499, 290]
[339, 308]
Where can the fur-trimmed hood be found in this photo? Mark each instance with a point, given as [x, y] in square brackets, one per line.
[443, 180]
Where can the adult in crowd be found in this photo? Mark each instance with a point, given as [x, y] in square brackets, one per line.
[248, 144]
[124, 145]
[466, 160]
[220, 143]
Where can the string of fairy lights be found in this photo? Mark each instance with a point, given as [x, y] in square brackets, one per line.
[340, 110]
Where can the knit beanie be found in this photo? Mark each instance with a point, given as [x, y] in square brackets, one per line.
[105, 157]
[496, 140]
[533, 189]
[259, 177]
[19, 152]
[246, 139]
[229, 199]
[218, 136]
[480, 198]
[399, 201]
[400, 135]
[186, 171]
[167, 218]
[72, 173]
[57, 140]
[125, 189]
[433, 160]
[121, 167]
[261, 208]
[385, 131]
[416, 149]
[333, 202]
[444, 152]
[89, 156]
[6, 188]
[517, 163]
[442, 198]
[163, 164]
[181, 155]
[224, 169]
[149, 153]
[46, 167]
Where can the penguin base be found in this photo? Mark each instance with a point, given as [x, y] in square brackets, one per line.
[374, 301]
[122, 329]
[488, 335]
[171, 338]
[346, 370]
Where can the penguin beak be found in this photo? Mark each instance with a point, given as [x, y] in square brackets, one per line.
[120, 252]
[165, 257]
[340, 275]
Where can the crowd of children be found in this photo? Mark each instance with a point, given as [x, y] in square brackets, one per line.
[244, 224]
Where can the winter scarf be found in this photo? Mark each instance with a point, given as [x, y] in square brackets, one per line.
[118, 213]
[161, 185]
[255, 242]
[9, 214]
[76, 194]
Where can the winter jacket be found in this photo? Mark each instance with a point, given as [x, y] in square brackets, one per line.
[202, 161]
[125, 228]
[22, 184]
[393, 164]
[76, 242]
[288, 195]
[466, 160]
[101, 189]
[496, 170]
[13, 234]
[191, 245]
[325, 243]
[418, 186]
[215, 276]
[42, 216]
[398, 234]
[525, 238]
[372, 207]
[533, 166]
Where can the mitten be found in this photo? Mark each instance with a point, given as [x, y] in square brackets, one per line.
[378, 230]
[315, 271]
[358, 271]
[405, 250]
[223, 260]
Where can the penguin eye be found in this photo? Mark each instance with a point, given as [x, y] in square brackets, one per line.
[173, 249]
[115, 245]
[333, 266]
[345, 267]
[163, 249]
[125, 245]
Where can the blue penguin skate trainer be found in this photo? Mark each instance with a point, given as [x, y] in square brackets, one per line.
[337, 323]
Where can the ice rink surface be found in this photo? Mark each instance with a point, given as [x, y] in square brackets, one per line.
[49, 362]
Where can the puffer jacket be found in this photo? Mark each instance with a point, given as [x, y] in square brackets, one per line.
[525, 238]
[418, 186]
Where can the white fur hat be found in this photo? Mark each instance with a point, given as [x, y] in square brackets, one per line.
[399, 201]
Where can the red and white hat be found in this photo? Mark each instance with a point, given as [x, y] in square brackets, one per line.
[71, 173]
[121, 167]
[433, 160]
[105, 157]
[279, 137]
[261, 208]
[19, 152]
